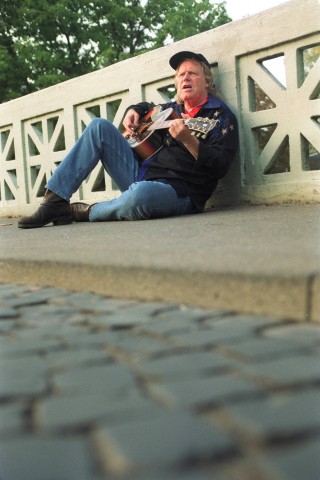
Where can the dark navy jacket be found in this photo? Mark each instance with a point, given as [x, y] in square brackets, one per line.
[175, 165]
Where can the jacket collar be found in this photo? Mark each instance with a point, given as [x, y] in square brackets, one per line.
[213, 102]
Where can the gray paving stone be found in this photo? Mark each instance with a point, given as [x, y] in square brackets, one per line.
[88, 301]
[194, 474]
[7, 290]
[304, 333]
[171, 439]
[280, 415]
[301, 462]
[292, 369]
[53, 328]
[7, 326]
[81, 411]
[152, 309]
[39, 315]
[210, 390]
[238, 324]
[28, 343]
[226, 330]
[11, 418]
[109, 378]
[8, 312]
[185, 364]
[42, 458]
[22, 377]
[187, 314]
[197, 338]
[135, 315]
[257, 348]
[78, 336]
[180, 320]
[34, 296]
[141, 345]
[75, 358]
[173, 326]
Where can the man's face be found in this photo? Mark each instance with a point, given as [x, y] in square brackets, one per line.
[190, 82]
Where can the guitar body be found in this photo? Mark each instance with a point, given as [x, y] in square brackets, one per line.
[146, 143]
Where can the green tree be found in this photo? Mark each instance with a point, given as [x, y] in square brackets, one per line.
[13, 69]
[44, 42]
[310, 57]
[189, 17]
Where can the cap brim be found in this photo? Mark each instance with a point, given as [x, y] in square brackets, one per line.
[176, 59]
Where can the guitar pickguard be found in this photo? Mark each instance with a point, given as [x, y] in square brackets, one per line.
[146, 143]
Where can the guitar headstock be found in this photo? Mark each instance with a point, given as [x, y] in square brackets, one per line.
[201, 125]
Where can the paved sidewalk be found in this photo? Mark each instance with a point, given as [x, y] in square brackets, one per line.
[259, 260]
[95, 388]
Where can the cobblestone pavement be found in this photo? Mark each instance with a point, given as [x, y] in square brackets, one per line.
[94, 388]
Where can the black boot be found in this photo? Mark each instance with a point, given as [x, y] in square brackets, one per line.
[80, 211]
[53, 209]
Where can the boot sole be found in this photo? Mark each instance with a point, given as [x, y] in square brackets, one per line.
[56, 222]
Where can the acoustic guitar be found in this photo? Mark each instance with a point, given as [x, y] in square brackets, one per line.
[146, 142]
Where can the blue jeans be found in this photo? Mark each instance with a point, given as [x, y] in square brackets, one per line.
[139, 200]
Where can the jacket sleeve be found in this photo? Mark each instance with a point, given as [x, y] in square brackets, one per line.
[218, 150]
[142, 108]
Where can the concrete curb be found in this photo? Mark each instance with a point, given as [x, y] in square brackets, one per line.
[281, 296]
[256, 260]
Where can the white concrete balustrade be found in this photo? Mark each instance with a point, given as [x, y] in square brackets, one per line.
[266, 67]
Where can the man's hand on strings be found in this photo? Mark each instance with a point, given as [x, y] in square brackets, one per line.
[131, 121]
[180, 132]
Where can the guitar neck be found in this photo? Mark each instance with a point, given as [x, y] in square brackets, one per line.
[160, 125]
[201, 125]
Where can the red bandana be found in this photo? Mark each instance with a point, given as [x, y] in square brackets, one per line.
[193, 112]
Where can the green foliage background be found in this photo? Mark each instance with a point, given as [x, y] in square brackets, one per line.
[44, 42]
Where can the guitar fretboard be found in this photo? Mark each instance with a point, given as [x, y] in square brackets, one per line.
[203, 125]
[159, 125]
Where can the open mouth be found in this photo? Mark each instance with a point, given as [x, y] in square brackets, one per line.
[187, 86]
